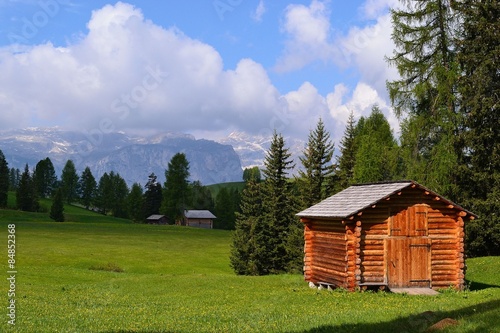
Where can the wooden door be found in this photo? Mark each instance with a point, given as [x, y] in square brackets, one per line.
[408, 262]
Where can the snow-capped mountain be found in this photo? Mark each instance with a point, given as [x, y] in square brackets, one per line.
[133, 157]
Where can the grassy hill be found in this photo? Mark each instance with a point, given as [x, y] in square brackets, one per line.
[100, 274]
[215, 188]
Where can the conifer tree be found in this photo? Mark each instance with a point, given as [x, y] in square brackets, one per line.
[135, 203]
[45, 178]
[104, 194]
[317, 165]
[57, 208]
[69, 182]
[347, 158]
[153, 196]
[176, 189]
[88, 187]
[26, 196]
[4, 180]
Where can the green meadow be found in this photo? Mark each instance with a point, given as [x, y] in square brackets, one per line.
[99, 274]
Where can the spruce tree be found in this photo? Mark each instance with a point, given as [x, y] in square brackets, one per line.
[278, 219]
[69, 182]
[317, 165]
[26, 195]
[104, 194]
[176, 189]
[57, 208]
[119, 193]
[135, 203]
[153, 196]
[45, 178]
[347, 158]
[88, 187]
[4, 180]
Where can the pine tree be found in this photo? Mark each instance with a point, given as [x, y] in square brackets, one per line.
[425, 56]
[376, 156]
[244, 260]
[347, 158]
[45, 178]
[119, 193]
[278, 220]
[225, 209]
[26, 196]
[57, 208]
[135, 203]
[104, 194]
[317, 165]
[88, 187]
[152, 197]
[4, 180]
[14, 177]
[69, 182]
[201, 197]
[176, 189]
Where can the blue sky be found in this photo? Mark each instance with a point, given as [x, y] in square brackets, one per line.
[203, 67]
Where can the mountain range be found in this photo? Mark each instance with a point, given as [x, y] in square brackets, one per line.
[136, 157]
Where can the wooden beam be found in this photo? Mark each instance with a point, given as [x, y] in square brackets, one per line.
[360, 213]
[427, 192]
[373, 206]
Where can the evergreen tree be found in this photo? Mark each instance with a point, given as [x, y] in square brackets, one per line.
[152, 197]
[317, 165]
[225, 209]
[176, 189]
[14, 177]
[26, 197]
[45, 178]
[425, 57]
[201, 197]
[4, 180]
[376, 156]
[479, 88]
[119, 193]
[69, 182]
[252, 173]
[57, 208]
[347, 158]
[278, 220]
[104, 194]
[135, 203]
[244, 255]
[88, 187]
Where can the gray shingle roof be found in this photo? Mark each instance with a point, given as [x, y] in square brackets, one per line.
[155, 217]
[353, 199]
[199, 214]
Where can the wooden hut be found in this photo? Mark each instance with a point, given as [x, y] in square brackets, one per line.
[394, 234]
[199, 218]
[157, 219]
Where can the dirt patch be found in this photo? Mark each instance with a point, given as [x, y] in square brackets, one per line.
[442, 324]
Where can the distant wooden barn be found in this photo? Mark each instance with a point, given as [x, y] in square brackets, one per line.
[157, 219]
[395, 235]
[199, 219]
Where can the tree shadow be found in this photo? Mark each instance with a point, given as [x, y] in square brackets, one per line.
[474, 285]
[420, 322]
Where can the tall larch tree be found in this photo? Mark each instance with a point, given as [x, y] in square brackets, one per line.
[4, 180]
[45, 178]
[425, 93]
[317, 163]
[479, 88]
[69, 182]
[176, 189]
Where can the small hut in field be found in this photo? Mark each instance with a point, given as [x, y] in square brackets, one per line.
[394, 234]
[199, 219]
[157, 219]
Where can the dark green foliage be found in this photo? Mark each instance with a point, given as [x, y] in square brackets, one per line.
[69, 182]
[4, 180]
[201, 197]
[135, 203]
[87, 187]
[57, 208]
[317, 163]
[176, 189]
[425, 57]
[376, 156]
[14, 178]
[252, 173]
[347, 158]
[103, 195]
[119, 193]
[152, 197]
[26, 196]
[479, 144]
[226, 207]
[45, 178]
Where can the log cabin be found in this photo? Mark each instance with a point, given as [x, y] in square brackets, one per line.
[199, 219]
[385, 235]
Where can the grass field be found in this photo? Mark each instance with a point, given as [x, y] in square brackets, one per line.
[99, 274]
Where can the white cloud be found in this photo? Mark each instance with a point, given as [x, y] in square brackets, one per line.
[308, 32]
[259, 11]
